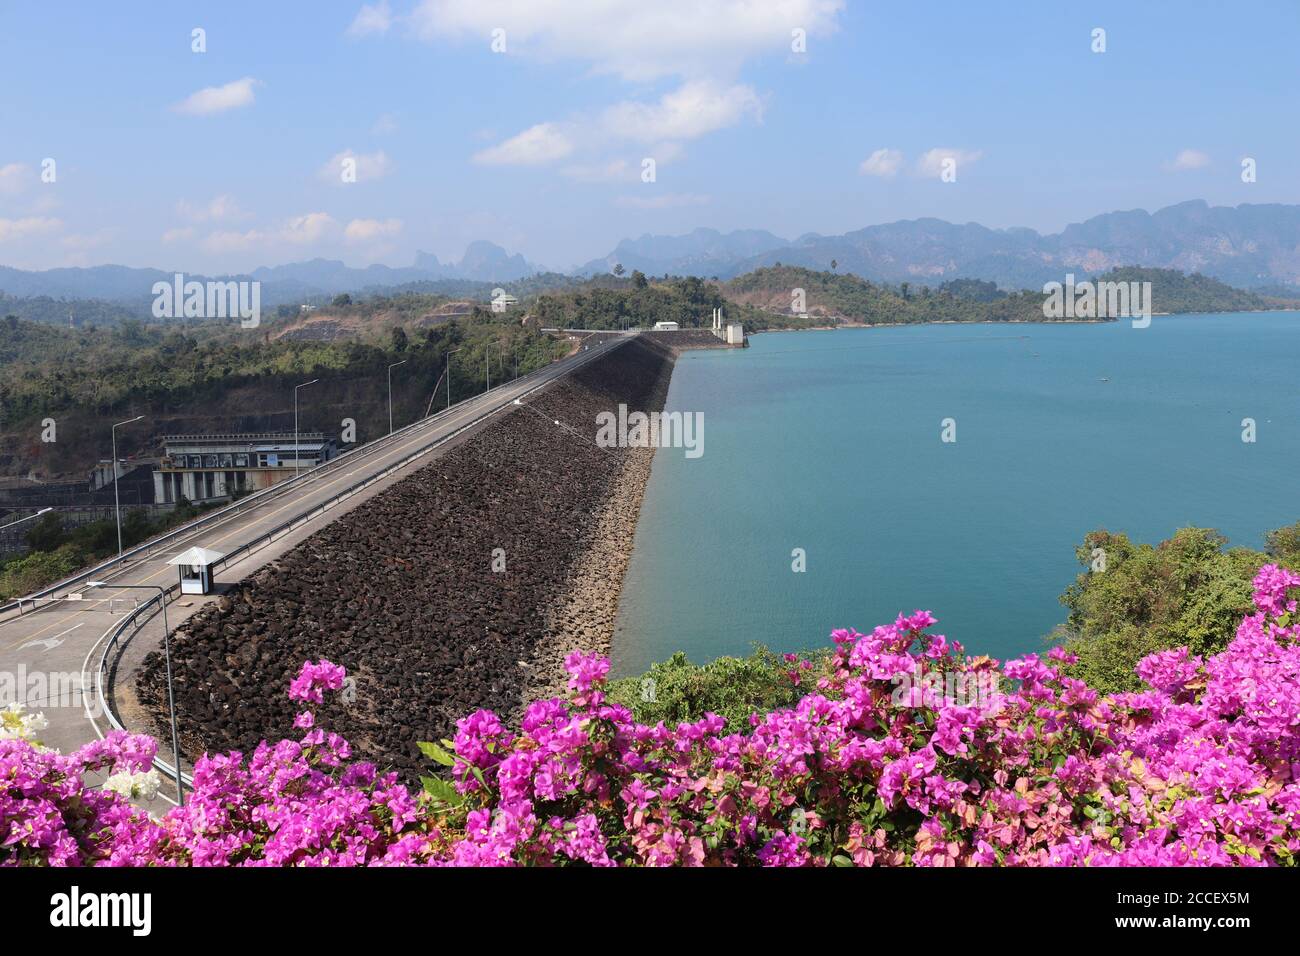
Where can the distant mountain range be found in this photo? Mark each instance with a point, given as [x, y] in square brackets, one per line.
[704, 252]
[291, 283]
[1247, 246]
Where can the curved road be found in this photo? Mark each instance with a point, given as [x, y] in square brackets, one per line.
[48, 656]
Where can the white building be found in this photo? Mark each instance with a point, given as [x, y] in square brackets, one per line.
[202, 468]
[502, 300]
[665, 326]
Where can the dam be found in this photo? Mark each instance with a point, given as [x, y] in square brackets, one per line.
[462, 586]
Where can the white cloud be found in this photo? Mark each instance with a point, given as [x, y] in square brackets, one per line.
[661, 201]
[387, 123]
[883, 162]
[234, 241]
[216, 209]
[666, 152]
[368, 166]
[535, 146]
[182, 234]
[702, 42]
[368, 230]
[30, 226]
[1190, 159]
[309, 228]
[15, 178]
[313, 227]
[614, 171]
[632, 38]
[692, 110]
[45, 201]
[376, 19]
[218, 99]
[931, 162]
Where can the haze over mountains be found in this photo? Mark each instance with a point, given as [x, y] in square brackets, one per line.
[1248, 246]
[482, 262]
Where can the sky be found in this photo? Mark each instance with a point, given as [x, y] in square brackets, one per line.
[528, 122]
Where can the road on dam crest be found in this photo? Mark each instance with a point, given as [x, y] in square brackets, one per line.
[49, 654]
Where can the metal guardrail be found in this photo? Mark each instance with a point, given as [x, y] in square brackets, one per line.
[134, 619]
[258, 498]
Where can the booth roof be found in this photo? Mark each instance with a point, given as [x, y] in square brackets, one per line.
[197, 556]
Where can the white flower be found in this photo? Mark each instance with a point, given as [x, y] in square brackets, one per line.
[17, 724]
[142, 784]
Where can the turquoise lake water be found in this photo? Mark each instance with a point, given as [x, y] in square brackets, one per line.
[830, 442]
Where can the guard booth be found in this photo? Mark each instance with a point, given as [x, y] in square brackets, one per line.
[196, 569]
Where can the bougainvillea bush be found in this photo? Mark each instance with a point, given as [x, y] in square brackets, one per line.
[879, 763]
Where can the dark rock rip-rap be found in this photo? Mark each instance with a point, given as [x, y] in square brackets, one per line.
[402, 592]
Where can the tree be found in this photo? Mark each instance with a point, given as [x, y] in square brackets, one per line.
[399, 339]
[1135, 599]
[342, 300]
[47, 533]
[639, 280]
[834, 265]
[1284, 544]
[618, 269]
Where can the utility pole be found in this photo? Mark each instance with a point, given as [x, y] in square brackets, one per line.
[295, 422]
[117, 504]
[167, 652]
[390, 392]
[449, 355]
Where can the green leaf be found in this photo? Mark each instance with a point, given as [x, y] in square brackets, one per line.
[441, 789]
[436, 753]
[839, 859]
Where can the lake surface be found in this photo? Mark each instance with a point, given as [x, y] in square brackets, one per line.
[830, 442]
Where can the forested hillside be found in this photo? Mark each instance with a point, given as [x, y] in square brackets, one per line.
[839, 298]
[223, 379]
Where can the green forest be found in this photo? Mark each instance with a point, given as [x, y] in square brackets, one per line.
[219, 378]
[852, 299]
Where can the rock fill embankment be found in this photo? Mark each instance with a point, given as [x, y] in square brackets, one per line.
[680, 340]
[402, 590]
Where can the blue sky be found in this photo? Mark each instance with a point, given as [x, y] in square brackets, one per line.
[540, 148]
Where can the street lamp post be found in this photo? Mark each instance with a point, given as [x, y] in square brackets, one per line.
[28, 518]
[449, 355]
[167, 654]
[487, 360]
[117, 505]
[295, 422]
[390, 392]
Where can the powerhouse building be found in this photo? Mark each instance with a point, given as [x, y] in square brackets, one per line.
[204, 468]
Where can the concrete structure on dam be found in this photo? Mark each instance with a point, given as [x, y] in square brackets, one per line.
[733, 333]
[204, 468]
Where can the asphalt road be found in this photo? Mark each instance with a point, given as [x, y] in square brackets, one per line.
[49, 656]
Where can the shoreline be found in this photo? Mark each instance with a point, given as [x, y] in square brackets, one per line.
[584, 617]
[1074, 321]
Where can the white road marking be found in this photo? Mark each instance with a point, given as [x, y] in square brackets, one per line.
[49, 643]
